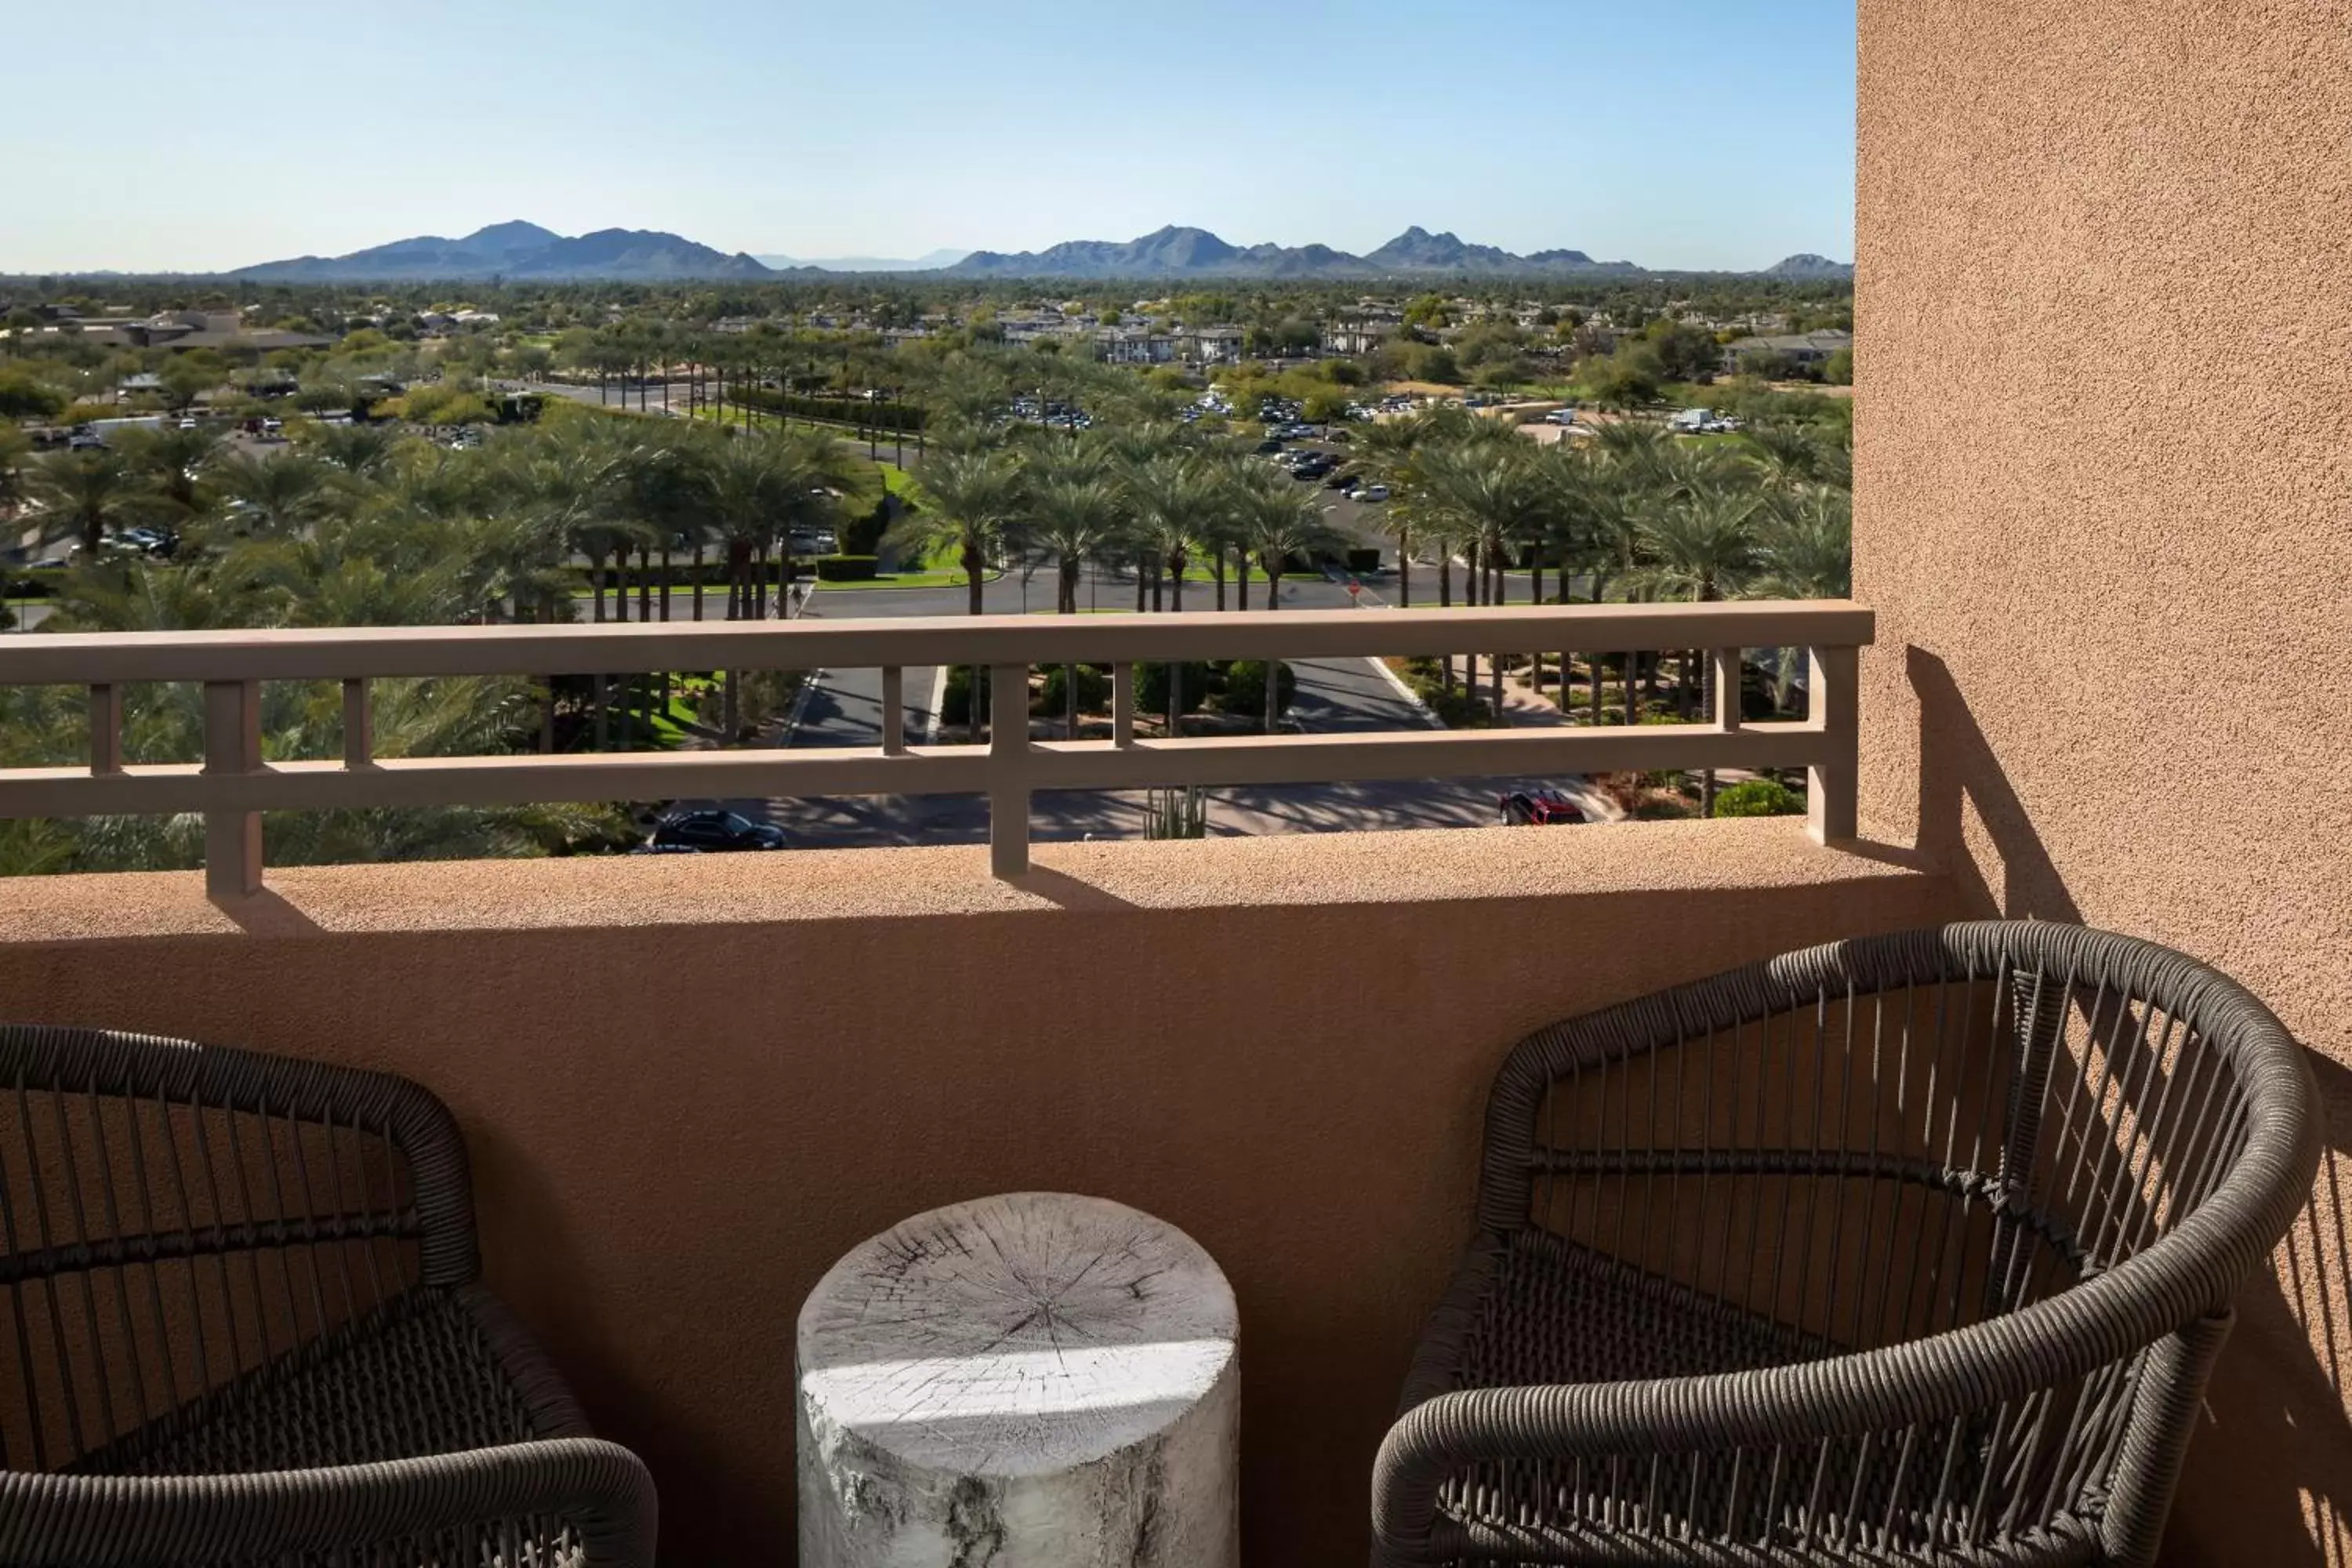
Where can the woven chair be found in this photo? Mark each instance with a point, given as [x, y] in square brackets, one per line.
[1909, 1250]
[244, 1324]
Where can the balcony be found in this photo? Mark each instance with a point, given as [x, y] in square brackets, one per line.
[690, 1083]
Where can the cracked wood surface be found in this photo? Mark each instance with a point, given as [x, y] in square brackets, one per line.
[1024, 1335]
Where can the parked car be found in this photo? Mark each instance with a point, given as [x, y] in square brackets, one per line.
[1370, 493]
[1562, 416]
[1538, 809]
[714, 831]
[1343, 482]
[1270, 446]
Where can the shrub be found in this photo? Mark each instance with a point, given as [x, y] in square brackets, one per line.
[1094, 689]
[1151, 687]
[844, 568]
[1760, 797]
[955, 707]
[1245, 687]
[862, 535]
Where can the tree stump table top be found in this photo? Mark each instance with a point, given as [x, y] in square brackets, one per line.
[1018, 1335]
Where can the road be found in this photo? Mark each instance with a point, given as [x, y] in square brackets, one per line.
[844, 708]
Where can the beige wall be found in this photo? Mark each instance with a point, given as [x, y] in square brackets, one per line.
[690, 1084]
[2105, 500]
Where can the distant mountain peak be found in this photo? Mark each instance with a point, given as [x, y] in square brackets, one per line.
[1805, 264]
[513, 234]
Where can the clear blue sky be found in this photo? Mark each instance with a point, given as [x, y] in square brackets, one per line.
[1704, 133]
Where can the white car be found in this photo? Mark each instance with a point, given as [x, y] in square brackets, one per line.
[1369, 493]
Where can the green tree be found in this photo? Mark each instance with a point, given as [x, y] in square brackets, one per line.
[23, 398]
[85, 496]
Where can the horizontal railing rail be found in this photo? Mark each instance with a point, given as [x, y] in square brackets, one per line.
[233, 784]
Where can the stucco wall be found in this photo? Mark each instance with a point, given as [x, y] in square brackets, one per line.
[2103, 486]
[690, 1084]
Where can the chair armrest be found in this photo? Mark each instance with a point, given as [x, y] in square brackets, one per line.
[1444, 1434]
[601, 1488]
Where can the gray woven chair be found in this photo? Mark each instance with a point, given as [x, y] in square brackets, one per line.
[1913, 1250]
[244, 1324]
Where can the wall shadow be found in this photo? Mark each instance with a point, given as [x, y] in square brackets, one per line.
[265, 914]
[1958, 766]
[2269, 1473]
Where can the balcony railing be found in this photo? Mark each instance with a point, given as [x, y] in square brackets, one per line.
[234, 785]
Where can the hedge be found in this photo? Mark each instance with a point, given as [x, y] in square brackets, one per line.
[1760, 797]
[846, 568]
[856, 411]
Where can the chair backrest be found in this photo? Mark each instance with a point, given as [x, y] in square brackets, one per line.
[177, 1218]
[1877, 1140]
[1976, 1200]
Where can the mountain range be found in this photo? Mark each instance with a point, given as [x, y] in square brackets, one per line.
[930, 262]
[517, 250]
[524, 251]
[1175, 252]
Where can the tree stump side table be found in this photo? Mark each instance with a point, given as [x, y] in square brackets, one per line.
[1029, 1381]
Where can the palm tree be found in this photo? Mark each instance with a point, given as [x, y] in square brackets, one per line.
[1280, 521]
[362, 451]
[1489, 494]
[85, 495]
[1386, 450]
[1704, 545]
[1807, 553]
[1075, 516]
[966, 500]
[172, 461]
[279, 495]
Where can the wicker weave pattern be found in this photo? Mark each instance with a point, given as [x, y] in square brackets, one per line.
[1908, 1250]
[239, 1323]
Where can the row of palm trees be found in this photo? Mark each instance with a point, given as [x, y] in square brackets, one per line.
[1632, 513]
[363, 526]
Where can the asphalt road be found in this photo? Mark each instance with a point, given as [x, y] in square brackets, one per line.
[844, 708]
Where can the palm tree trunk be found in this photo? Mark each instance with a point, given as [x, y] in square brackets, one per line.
[644, 584]
[698, 576]
[1217, 573]
[974, 563]
[1241, 560]
[1177, 563]
[1405, 568]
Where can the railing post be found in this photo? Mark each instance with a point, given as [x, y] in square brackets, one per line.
[231, 746]
[1008, 769]
[894, 711]
[359, 726]
[1833, 707]
[1727, 689]
[106, 729]
[1123, 703]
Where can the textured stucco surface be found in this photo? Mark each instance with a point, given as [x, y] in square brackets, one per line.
[2103, 486]
[690, 1084]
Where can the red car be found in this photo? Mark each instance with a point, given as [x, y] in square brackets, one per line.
[1538, 809]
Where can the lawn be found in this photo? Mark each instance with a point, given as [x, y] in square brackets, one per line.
[898, 580]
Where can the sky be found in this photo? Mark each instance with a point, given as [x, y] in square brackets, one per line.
[1707, 134]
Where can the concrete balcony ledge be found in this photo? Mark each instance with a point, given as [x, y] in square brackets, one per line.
[688, 1084]
[1402, 868]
